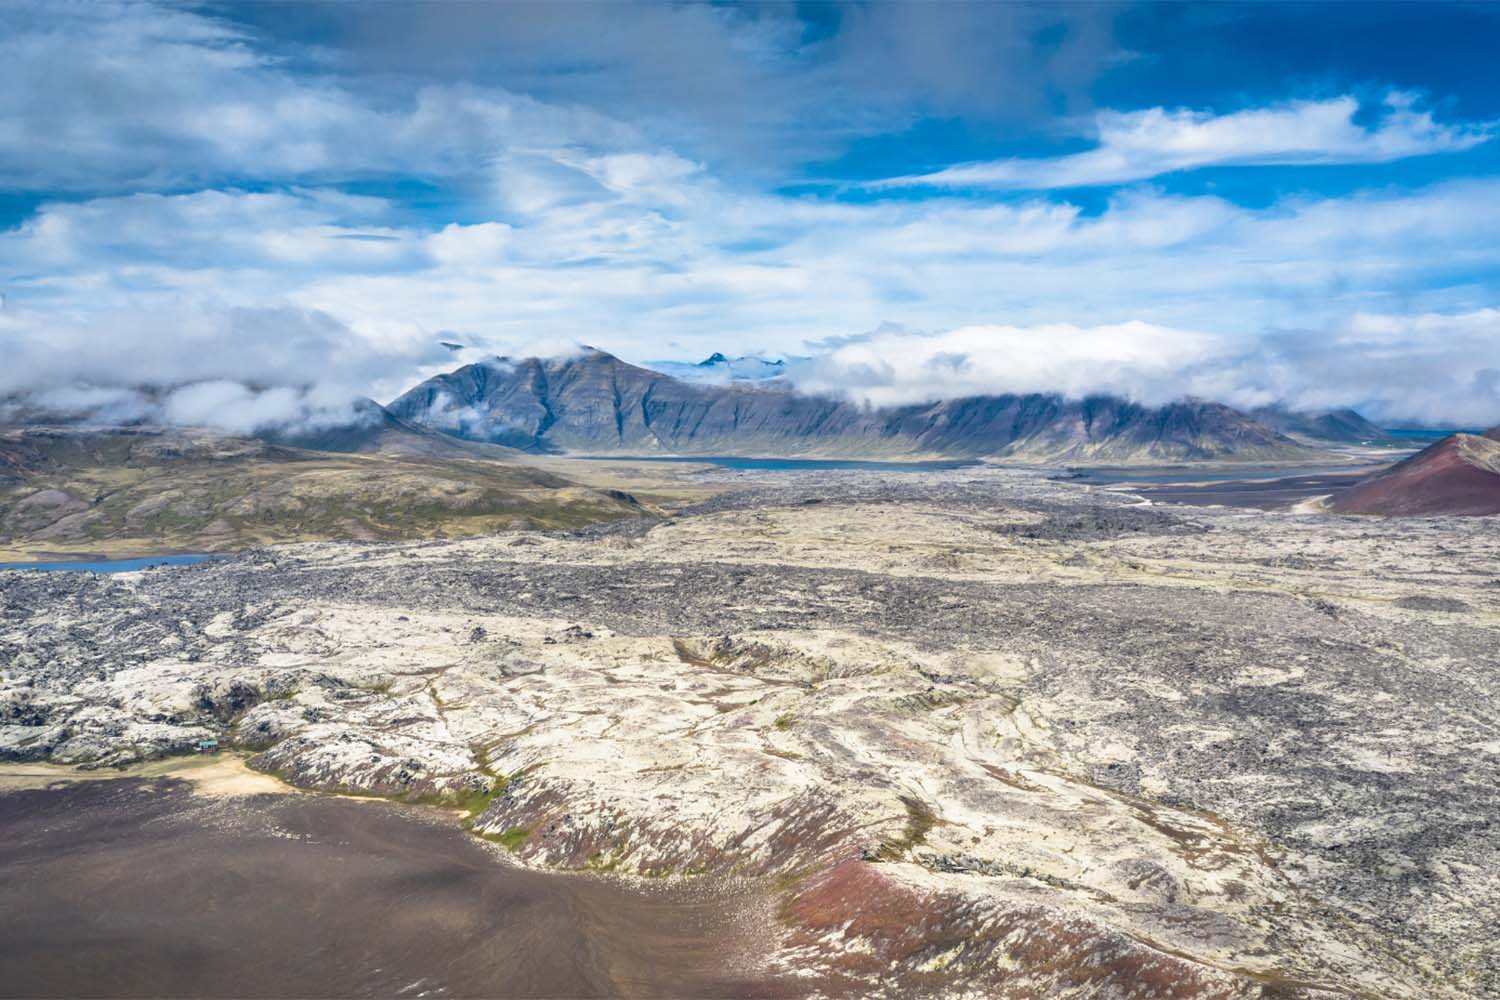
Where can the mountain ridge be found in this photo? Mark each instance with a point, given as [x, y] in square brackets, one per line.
[595, 403]
[1343, 425]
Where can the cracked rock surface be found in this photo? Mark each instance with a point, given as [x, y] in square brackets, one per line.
[986, 733]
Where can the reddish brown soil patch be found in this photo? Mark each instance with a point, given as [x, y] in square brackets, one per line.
[930, 942]
[1448, 477]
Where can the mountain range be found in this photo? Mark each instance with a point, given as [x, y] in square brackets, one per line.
[595, 403]
[451, 454]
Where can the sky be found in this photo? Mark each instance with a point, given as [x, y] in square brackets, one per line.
[272, 207]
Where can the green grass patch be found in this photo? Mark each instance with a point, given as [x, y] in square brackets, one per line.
[510, 838]
[920, 819]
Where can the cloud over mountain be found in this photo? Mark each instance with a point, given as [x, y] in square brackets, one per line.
[1441, 370]
[317, 198]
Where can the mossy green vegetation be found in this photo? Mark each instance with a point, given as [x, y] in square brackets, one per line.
[920, 819]
[511, 837]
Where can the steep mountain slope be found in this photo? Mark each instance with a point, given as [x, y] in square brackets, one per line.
[149, 489]
[1458, 475]
[1345, 426]
[365, 427]
[1047, 428]
[375, 430]
[596, 403]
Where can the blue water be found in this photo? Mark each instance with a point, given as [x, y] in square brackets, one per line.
[797, 464]
[113, 565]
[1424, 434]
[1210, 473]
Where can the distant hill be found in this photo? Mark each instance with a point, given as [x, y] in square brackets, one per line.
[1343, 426]
[594, 403]
[148, 490]
[375, 430]
[1458, 475]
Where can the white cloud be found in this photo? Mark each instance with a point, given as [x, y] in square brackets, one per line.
[1429, 369]
[150, 282]
[141, 96]
[232, 406]
[891, 365]
[120, 95]
[1438, 369]
[133, 364]
[580, 228]
[1135, 145]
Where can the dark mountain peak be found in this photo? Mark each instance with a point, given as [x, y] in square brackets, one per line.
[716, 358]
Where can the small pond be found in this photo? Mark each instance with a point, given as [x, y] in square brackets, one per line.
[114, 565]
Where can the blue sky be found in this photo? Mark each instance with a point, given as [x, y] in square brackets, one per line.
[1248, 202]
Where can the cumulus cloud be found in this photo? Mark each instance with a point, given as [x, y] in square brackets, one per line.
[1136, 145]
[466, 420]
[1428, 369]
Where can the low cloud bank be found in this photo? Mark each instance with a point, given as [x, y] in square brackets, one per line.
[240, 370]
[218, 404]
[1432, 370]
[292, 370]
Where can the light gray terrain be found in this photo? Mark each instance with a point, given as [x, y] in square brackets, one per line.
[980, 733]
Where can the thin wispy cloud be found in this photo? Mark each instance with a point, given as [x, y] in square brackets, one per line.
[1138, 145]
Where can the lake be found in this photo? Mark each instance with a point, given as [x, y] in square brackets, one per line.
[1179, 474]
[113, 565]
[1426, 435]
[784, 464]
